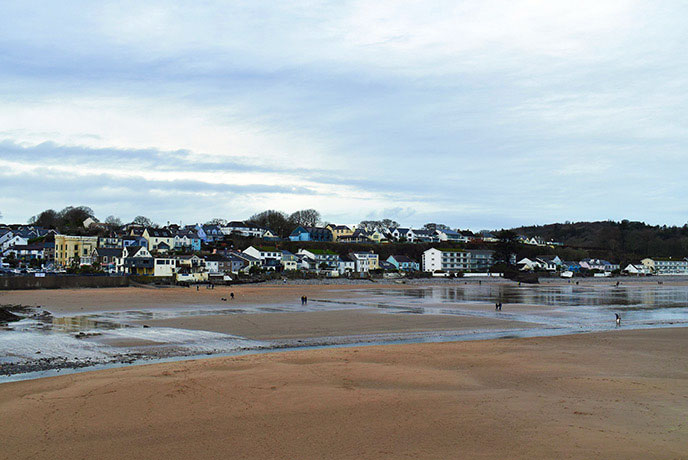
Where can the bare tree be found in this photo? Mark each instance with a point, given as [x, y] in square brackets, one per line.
[217, 221]
[144, 221]
[113, 222]
[306, 218]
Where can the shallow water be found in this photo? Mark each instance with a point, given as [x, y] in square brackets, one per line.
[105, 337]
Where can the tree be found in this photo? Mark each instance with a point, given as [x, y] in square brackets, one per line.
[46, 219]
[144, 221]
[72, 218]
[369, 225]
[217, 221]
[508, 240]
[389, 223]
[306, 218]
[113, 222]
[277, 221]
[432, 227]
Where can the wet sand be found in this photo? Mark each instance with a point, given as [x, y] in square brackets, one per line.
[65, 301]
[614, 395]
[266, 326]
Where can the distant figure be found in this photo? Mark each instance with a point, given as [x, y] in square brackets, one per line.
[618, 320]
[224, 299]
[500, 306]
[197, 288]
[480, 282]
[496, 306]
[231, 295]
[302, 301]
[305, 300]
[617, 284]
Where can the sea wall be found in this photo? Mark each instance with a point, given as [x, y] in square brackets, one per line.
[61, 282]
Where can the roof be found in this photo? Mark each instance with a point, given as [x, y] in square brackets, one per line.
[109, 252]
[159, 232]
[135, 251]
[188, 233]
[402, 258]
[27, 247]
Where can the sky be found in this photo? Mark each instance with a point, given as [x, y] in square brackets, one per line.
[483, 114]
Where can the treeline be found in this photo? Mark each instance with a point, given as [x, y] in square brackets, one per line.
[623, 241]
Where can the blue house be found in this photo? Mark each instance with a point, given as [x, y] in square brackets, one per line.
[310, 234]
[134, 241]
[571, 266]
[403, 263]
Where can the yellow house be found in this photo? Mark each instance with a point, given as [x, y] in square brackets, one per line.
[70, 250]
[339, 231]
[159, 239]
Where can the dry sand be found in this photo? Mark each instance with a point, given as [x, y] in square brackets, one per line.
[616, 395]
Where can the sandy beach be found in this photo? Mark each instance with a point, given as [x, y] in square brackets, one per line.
[614, 395]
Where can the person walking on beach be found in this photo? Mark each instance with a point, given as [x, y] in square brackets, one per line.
[305, 300]
[618, 320]
[231, 295]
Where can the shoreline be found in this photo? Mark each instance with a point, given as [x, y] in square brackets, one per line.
[606, 395]
[87, 328]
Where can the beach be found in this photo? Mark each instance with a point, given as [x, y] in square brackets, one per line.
[619, 394]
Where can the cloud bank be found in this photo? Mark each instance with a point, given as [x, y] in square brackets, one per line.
[480, 115]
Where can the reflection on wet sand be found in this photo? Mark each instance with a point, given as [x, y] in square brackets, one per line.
[362, 316]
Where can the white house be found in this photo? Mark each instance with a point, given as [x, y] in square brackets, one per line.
[329, 258]
[549, 263]
[526, 264]
[289, 261]
[243, 228]
[365, 261]
[164, 266]
[346, 265]
[269, 257]
[14, 240]
[637, 269]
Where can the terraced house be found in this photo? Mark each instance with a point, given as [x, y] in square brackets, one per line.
[74, 250]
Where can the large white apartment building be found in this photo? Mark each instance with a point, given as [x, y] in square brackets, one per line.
[446, 260]
[665, 266]
[455, 260]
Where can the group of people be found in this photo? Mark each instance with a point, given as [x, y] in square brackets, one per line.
[498, 306]
[304, 300]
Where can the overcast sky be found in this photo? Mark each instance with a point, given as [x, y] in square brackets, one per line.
[482, 114]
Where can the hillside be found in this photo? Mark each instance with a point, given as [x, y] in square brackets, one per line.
[624, 241]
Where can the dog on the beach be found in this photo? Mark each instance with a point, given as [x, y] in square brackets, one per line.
[618, 320]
